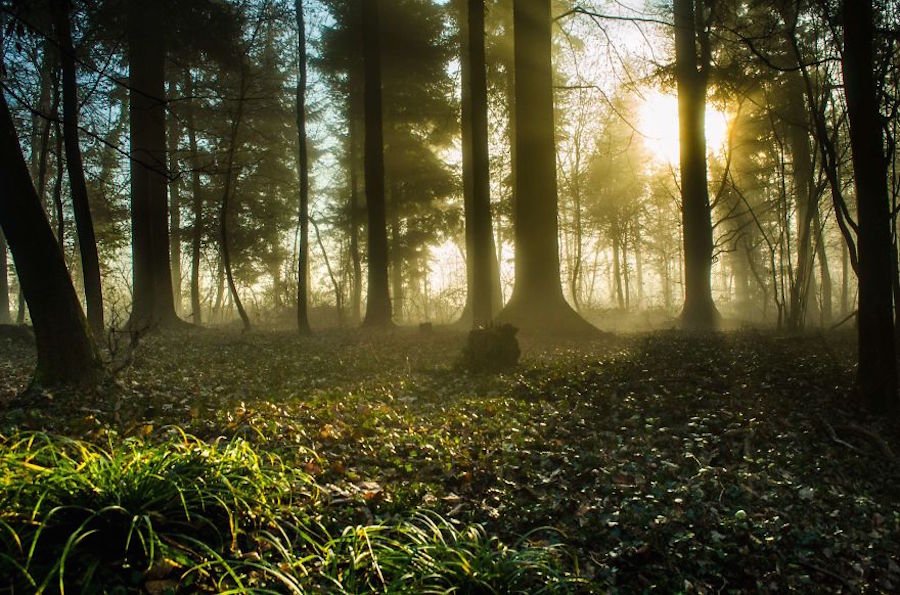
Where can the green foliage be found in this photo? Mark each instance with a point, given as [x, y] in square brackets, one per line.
[491, 349]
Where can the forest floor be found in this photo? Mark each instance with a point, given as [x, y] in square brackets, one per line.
[681, 462]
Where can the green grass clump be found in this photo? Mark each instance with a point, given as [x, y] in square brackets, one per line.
[186, 516]
[78, 516]
[428, 554]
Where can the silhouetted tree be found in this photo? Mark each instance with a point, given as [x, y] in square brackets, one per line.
[877, 373]
[692, 74]
[87, 242]
[478, 213]
[153, 298]
[303, 170]
[378, 301]
[5, 318]
[537, 303]
[66, 352]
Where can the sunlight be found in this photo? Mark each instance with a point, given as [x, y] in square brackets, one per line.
[658, 122]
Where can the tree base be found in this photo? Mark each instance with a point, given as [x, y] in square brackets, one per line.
[554, 317]
[700, 317]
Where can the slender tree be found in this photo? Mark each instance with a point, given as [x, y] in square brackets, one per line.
[196, 198]
[378, 300]
[87, 242]
[537, 303]
[175, 202]
[303, 170]
[692, 74]
[877, 372]
[66, 352]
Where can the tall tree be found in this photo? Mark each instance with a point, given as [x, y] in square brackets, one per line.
[196, 198]
[154, 301]
[478, 215]
[537, 303]
[877, 372]
[692, 75]
[175, 202]
[87, 242]
[303, 170]
[66, 352]
[378, 300]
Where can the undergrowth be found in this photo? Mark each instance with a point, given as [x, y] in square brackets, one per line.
[184, 515]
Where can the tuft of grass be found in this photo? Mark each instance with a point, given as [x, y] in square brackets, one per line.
[78, 516]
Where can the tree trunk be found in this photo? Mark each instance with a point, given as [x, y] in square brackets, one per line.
[480, 204]
[397, 297]
[153, 297]
[5, 318]
[65, 350]
[378, 300]
[537, 304]
[617, 273]
[175, 204]
[824, 271]
[355, 258]
[303, 172]
[699, 311]
[87, 242]
[197, 200]
[224, 246]
[877, 372]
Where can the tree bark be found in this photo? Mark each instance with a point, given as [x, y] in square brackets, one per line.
[66, 353]
[480, 204]
[537, 304]
[877, 372]
[197, 200]
[303, 170]
[175, 234]
[87, 241]
[154, 302]
[378, 300]
[5, 317]
[691, 73]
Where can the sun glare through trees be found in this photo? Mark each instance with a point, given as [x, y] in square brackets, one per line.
[449, 296]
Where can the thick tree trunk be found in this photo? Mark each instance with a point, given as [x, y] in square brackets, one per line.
[87, 241]
[398, 300]
[537, 304]
[480, 217]
[196, 200]
[699, 311]
[303, 170]
[153, 297]
[378, 300]
[877, 372]
[66, 352]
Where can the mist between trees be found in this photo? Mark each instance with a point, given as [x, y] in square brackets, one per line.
[558, 165]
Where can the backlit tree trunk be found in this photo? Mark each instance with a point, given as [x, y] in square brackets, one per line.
[153, 298]
[196, 200]
[877, 372]
[537, 303]
[691, 73]
[5, 318]
[303, 170]
[378, 300]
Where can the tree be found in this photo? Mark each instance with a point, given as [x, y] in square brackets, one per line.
[154, 302]
[65, 350]
[478, 217]
[303, 170]
[87, 242]
[537, 303]
[378, 301]
[5, 318]
[691, 74]
[877, 373]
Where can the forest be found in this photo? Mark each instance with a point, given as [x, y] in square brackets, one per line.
[449, 296]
